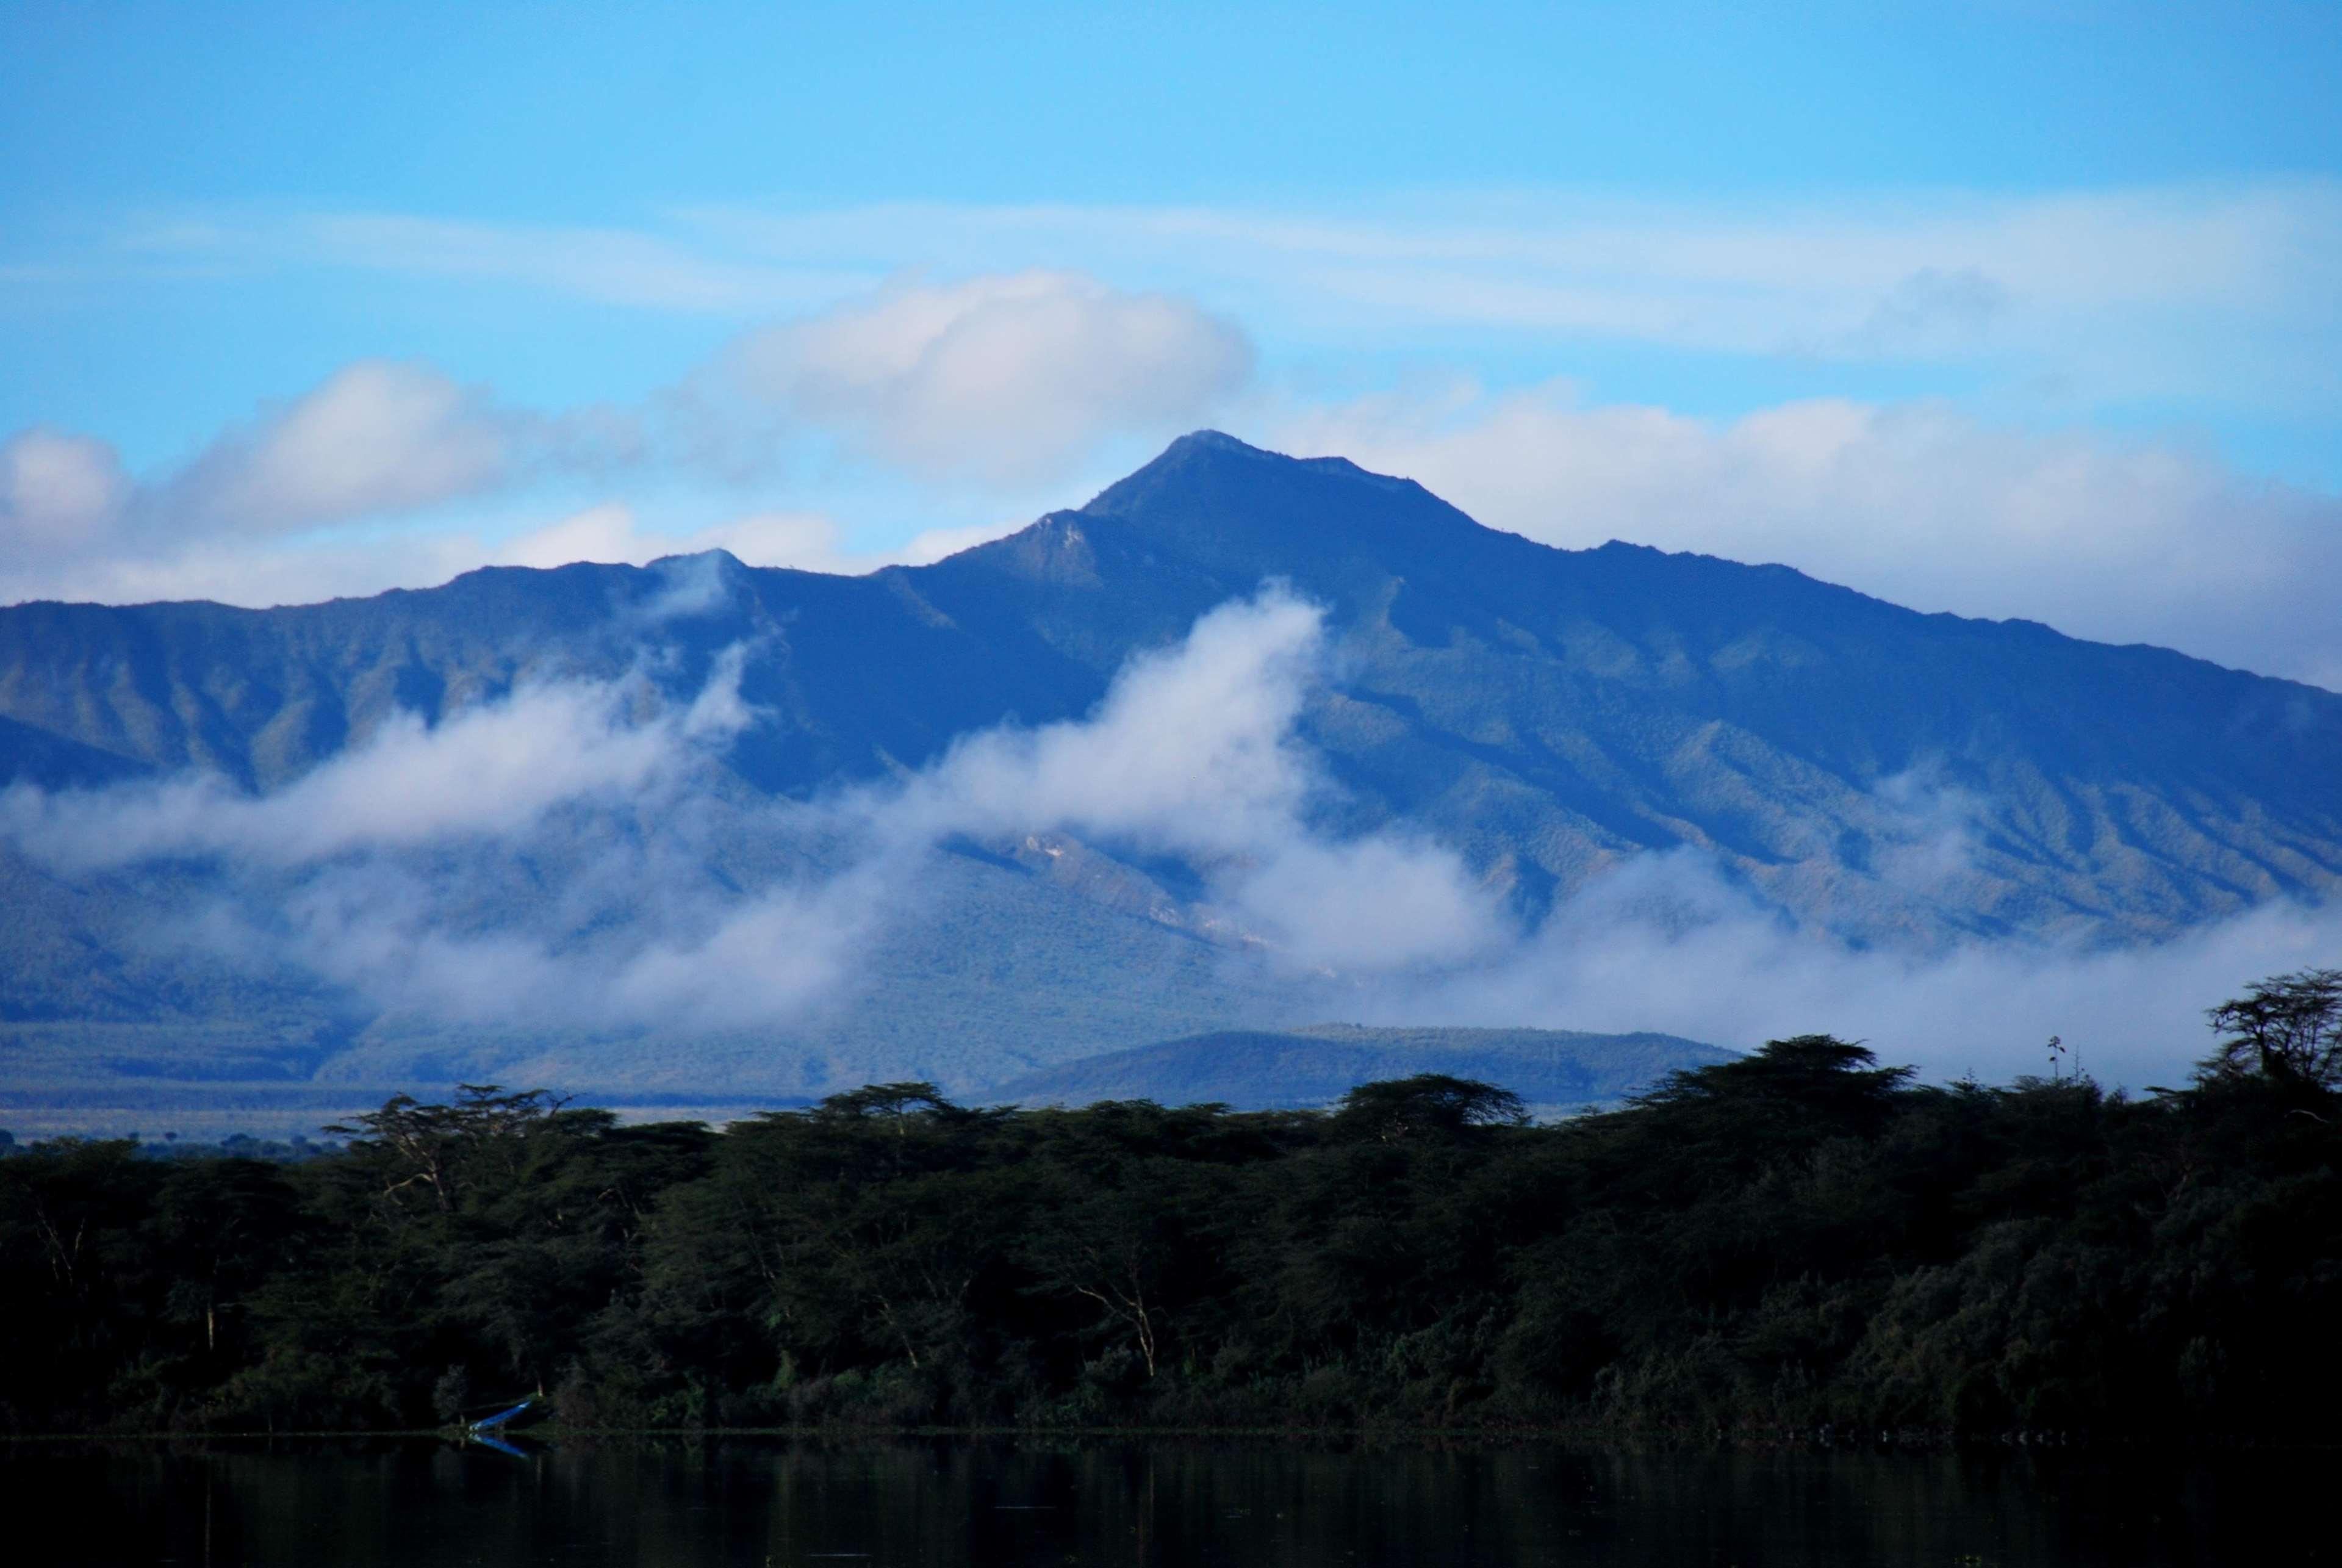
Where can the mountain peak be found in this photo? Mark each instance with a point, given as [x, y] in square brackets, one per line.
[1243, 513]
[1219, 449]
[1212, 464]
[1184, 462]
[1215, 441]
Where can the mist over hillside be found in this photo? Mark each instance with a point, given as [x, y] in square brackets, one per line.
[1245, 741]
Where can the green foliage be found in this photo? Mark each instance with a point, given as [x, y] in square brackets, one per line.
[1797, 1238]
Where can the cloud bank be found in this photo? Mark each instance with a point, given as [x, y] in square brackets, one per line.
[372, 870]
[1666, 942]
[484, 772]
[568, 856]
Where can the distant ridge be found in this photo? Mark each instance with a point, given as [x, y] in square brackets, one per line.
[1860, 771]
[1265, 1069]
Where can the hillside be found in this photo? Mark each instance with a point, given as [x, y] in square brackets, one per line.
[1887, 776]
[1258, 1070]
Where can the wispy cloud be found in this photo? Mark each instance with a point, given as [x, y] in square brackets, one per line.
[634, 268]
[376, 437]
[2115, 294]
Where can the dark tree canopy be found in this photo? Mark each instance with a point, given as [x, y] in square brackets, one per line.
[1429, 1104]
[2287, 1028]
[1798, 1236]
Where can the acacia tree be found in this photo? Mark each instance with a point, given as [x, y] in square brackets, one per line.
[432, 1145]
[867, 1221]
[2286, 1029]
[1427, 1105]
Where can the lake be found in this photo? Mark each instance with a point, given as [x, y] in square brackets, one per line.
[758, 1502]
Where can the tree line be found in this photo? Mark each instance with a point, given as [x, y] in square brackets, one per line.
[1796, 1238]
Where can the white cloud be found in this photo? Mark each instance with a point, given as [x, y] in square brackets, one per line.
[487, 771]
[319, 497]
[1192, 753]
[1919, 504]
[59, 494]
[612, 533]
[1001, 380]
[392, 936]
[1190, 748]
[258, 516]
[1664, 943]
[377, 435]
[370, 871]
[1389, 901]
[243, 570]
[111, 566]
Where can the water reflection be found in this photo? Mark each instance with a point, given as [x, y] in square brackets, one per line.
[757, 1502]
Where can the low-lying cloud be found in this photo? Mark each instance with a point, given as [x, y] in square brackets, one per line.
[373, 871]
[571, 856]
[1666, 942]
[1192, 754]
[484, 772]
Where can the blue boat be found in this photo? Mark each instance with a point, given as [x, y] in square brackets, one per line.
[489, 1431]
[488, 1424]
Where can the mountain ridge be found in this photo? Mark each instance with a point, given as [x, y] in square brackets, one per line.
[1882, 775]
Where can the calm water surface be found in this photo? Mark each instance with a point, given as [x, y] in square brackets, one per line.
[755, 1502]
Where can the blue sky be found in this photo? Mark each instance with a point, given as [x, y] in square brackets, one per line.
[2007, 308]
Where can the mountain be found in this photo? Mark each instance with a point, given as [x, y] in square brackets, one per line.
[1555, 1070]
[1888, 776]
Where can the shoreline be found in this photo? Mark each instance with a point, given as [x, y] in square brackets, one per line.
[1674, 1439]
